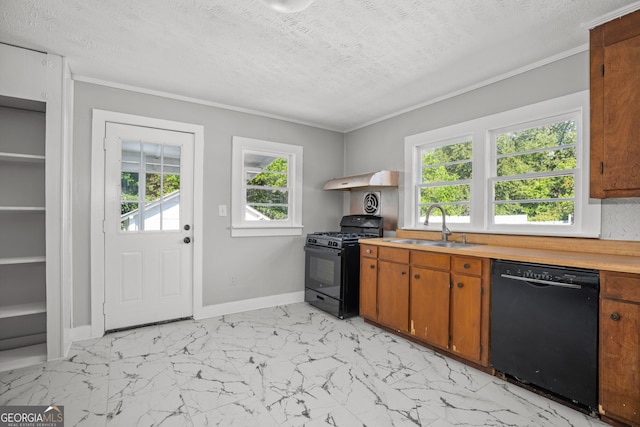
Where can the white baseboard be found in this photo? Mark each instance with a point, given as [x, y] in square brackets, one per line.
[84, 332]
[248, 305]
[80, 333]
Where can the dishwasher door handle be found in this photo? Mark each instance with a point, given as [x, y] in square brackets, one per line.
[542, 282]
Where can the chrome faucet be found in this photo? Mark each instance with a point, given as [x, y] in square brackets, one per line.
[445, 230]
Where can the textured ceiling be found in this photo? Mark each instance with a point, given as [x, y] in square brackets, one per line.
[338, 64]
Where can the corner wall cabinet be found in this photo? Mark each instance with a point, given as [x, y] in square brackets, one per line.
[619, 366]
[615, 96]
[435, 298]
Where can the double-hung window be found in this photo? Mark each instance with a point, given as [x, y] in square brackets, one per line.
[523, 171]
[266, 187]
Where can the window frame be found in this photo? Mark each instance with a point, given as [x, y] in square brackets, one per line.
[587, 211]
[292, 226]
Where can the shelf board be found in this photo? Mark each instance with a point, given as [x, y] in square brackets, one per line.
[23, 356]
[17, 157]
[22, 309]
[22, 208]
[22, 260]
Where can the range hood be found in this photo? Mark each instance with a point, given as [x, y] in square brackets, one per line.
[382, 178]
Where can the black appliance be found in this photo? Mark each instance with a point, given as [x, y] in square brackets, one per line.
[332, 265]
[544, 328]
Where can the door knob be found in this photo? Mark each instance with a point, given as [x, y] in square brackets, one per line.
[187, 240]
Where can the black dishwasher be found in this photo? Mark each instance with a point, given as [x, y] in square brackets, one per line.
[544, 328]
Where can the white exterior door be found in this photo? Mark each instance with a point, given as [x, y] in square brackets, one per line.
[148, 225]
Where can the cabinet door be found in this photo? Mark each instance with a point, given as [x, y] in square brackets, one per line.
[466, 315]
[621, 115]
[615, 93]
[393, 295]
[369, 288]
[620, 360]
[429, 310]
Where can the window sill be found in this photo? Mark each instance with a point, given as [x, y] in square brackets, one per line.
[266, 231]
[454, 229]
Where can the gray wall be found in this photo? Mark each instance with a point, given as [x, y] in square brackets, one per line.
[381, 145]
[261, 266]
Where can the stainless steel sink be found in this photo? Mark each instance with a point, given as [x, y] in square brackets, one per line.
[438, 243]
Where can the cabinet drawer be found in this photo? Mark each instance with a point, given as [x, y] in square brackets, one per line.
[393, 254]
[464, 265]
[620, 286]
[369, 251]
[431, 260]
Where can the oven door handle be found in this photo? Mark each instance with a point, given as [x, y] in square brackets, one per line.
[322, 250]
[542, 282]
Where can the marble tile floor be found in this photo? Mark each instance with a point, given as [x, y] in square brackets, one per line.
[284, 366]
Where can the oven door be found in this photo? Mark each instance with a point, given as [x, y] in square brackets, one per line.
[323, 270]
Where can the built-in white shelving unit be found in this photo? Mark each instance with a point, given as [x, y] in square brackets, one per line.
[23, 285]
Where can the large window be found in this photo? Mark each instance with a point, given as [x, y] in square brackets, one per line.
[267, 188]
[524, 171]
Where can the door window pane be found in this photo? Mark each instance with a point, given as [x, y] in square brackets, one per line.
[149, 187]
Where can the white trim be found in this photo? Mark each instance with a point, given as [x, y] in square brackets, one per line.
[81, 333]
[169, 95]
[293, 225]
[587, 224]
[55, 182]
[99, 120]
[67, 209]
[624, 10]
[250, 304]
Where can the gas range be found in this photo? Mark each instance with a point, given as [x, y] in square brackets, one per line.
[332, 264]
[335, 239]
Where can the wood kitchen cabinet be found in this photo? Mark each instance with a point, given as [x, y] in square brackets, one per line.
[619, 364]
[393, 288]
[430, 297]
[466, 315]
[433, 297]
[447, 306]
[369, 282]
[615, 96]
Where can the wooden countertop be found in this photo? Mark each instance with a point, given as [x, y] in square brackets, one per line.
[567, 258]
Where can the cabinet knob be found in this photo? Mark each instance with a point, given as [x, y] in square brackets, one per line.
[368, 251]
[466, 265]
[187, 240]
[459, 284]
[615, 316]
[372, 266]
[404, 272]
[416, 276]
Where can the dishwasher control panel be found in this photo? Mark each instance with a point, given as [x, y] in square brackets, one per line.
[547, 273]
